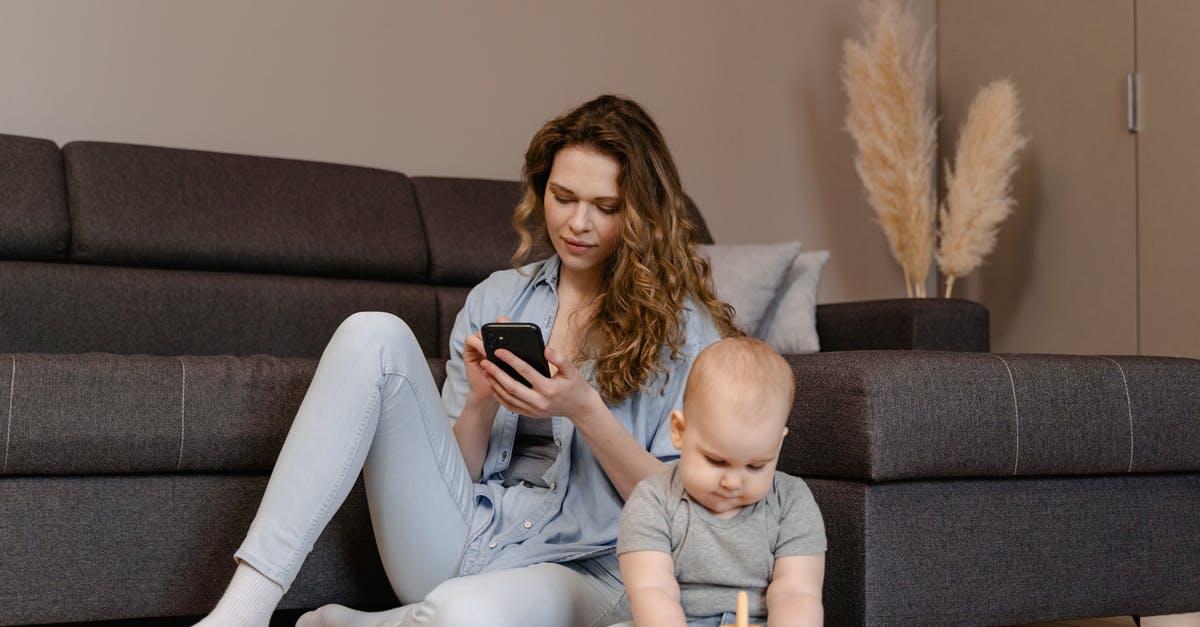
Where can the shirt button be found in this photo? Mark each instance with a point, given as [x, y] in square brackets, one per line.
[527, 524]
[492, 545]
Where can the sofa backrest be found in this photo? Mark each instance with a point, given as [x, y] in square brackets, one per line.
[142, 206]
[34, 223]
[119, 248]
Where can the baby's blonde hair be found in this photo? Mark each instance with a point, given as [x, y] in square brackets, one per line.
[744, 364]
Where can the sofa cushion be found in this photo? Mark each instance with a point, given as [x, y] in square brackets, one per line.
[889, 415]
[99, 413]
[450, 300]
[469, 226]
[74, 308]
[33, 201]
[193, 210]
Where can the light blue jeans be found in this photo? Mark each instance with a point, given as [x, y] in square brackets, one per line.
[728, 618]
[373, 406]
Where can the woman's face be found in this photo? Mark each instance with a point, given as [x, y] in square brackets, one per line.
[583, 207]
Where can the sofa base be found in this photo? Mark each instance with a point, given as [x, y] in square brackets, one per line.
[1010, 550]
[94, 548]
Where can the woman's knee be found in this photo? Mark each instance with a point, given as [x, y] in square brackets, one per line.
[372, 329]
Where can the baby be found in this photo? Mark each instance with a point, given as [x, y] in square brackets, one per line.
[722, 519]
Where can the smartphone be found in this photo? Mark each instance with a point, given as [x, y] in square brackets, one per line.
[523, 339]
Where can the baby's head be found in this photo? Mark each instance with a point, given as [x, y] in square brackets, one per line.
[735, 410]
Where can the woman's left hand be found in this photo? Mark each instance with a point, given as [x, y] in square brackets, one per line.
[565, 393]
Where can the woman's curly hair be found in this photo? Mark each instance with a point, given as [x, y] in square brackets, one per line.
[654, 268]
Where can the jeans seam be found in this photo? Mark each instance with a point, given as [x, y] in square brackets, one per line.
[604, 615]
[437, 451]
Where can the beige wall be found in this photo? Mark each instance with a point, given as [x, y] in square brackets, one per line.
[747, 93]
[1099, 256]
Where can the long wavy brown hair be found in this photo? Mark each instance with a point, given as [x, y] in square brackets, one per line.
[654, 268]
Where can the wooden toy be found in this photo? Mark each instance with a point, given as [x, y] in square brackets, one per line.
[743, 611]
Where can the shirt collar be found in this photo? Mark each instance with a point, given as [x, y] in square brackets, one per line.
[548, 274]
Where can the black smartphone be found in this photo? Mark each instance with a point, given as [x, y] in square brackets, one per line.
[523, 339]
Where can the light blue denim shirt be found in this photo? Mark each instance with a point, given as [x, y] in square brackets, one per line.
[578, 515]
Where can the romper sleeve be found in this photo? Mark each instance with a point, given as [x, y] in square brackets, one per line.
[644, 524]
[801, 528]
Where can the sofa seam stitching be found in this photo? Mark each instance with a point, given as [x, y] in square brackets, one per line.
[182, 410]
[12, 389]
[1016, 414]
[1128, 409]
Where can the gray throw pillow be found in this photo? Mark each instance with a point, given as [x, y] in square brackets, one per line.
[749, 276]
[789, 324]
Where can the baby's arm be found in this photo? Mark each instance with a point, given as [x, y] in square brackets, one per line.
[794, 594]
[652, 589]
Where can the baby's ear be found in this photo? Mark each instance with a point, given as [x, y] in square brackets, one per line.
[678, 424]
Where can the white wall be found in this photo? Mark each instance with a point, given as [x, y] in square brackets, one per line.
[747, 94]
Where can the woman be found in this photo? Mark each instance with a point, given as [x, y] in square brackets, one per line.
[498, 500]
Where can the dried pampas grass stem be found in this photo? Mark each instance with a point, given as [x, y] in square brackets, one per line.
[886, 77]
[978, 189]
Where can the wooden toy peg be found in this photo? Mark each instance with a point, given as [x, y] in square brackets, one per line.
[743, 611]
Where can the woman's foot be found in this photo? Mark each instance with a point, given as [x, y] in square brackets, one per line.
[341, 616]
[249, 601]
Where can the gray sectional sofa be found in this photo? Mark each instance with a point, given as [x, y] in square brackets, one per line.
[161, 311]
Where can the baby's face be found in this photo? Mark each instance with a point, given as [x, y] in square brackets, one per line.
[728, 449]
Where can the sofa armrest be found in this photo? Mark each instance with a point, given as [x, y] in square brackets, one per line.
[945, 324]
[896, 415]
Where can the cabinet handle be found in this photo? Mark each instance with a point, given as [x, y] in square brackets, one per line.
[1131, 102]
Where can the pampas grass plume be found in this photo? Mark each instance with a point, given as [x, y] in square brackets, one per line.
[978, 189]
[885, 77]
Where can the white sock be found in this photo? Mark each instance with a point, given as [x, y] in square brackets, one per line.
[249, 600]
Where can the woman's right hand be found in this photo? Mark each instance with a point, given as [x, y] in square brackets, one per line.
[473, 356]
[474, 425]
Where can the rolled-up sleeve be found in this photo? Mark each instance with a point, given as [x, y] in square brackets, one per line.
[644, 524]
